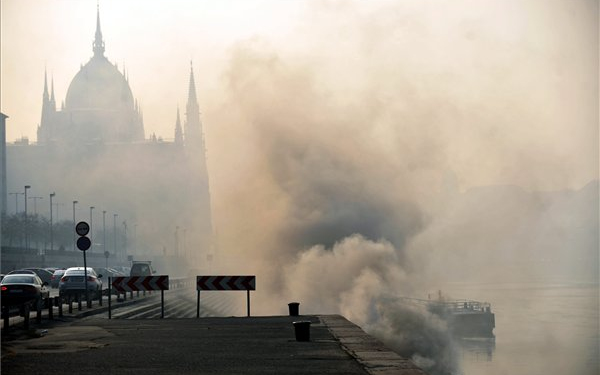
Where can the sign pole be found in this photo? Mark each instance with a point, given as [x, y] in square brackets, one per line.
[198, 305]
[109, 295]
[162, 303]
[248, 302]
[87, 298]
[83, 243]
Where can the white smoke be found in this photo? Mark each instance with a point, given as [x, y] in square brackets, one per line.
[364, 281]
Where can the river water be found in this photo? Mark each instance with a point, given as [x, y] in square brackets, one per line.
[541, 329]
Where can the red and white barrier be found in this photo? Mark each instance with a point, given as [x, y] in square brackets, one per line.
[140, 283]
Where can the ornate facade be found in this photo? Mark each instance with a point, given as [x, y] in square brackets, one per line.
[93, 149]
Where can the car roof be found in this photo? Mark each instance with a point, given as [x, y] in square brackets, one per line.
[72, 269]
[7, 278]
[36, 270]
[21, 272]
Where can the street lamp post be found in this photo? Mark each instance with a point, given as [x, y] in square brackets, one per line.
[125, 239]
[26, 188]
[91, 227]
[177, 241]
[74, 203]
[26, 234]
[51, 229]
[115, 233]
[184, 250]
[104, 235]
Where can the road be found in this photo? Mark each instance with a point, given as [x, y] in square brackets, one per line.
[179, 303]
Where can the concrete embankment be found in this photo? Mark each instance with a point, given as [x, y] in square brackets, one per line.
[248, 345]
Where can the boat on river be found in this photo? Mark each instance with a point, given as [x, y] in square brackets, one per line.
[465, 318]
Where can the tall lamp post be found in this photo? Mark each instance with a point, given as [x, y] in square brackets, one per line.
[177, 241]
[51, 229]
[74, 203]
[26, 234]
[91, 226]
[115, 232]
[125, 239]
[104, 235]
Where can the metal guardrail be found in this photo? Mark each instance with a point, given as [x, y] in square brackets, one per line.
[67, 302]
[62, 304]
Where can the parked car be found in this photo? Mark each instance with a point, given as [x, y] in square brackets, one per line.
[108, 272]
[43, 273]
[142, 268]
[123, 269]
[21, 288]
[55, 279]
[19, 272]
[73, 281]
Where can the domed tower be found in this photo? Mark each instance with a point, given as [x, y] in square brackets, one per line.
[99, 106]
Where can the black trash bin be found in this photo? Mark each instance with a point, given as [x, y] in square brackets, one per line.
[293, 306]
[302, 330]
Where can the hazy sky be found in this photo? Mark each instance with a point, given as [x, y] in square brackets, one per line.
[483, 88]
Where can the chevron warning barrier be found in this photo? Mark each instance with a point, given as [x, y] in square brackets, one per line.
[140, 283]
[226, 283]
[246, 283]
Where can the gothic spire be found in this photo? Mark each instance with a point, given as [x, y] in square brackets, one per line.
[98, 45]
[193, 126]
[46, 95]
[192, 87]
[178, 130]
[52, 99]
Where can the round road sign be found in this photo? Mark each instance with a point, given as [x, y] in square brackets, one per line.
[82, 228]
[106, 254]
[83, 243]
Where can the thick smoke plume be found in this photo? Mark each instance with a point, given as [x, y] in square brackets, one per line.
[340, 149]
[324, 212]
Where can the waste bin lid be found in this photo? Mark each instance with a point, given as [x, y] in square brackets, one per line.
[302, 322]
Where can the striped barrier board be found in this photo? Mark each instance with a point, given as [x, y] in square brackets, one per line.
[246, 283]
[226, 282]
[140, 283]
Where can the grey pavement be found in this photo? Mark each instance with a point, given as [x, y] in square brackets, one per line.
[255, 345]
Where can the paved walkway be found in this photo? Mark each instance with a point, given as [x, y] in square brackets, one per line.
[256, 345]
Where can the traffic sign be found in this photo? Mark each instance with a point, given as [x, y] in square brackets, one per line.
[140, 283]
[82, 228]
[226, 282]
[246, 283]
[83, 243]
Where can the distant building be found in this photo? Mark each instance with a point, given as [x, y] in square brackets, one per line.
[94, 149]
[99, 106]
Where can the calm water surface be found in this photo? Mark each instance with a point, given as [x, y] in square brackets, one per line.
[541, 329]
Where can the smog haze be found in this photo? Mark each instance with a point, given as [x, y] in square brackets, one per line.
[357, 151]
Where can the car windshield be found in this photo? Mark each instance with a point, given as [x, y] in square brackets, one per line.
[18, 279]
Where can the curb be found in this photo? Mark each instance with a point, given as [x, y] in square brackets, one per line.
[372, 354]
